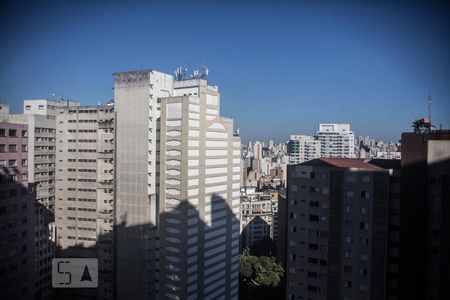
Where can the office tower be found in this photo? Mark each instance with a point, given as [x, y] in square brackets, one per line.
[171, 141]
[424, 215]
[336, 140]
[40, 117]
[84, 190]
[303, 148]
[200, 169]
[17, 214]
[259, 215]
[137, 107]
[337, 230]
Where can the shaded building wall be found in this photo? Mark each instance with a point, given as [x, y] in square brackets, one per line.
[17, 215]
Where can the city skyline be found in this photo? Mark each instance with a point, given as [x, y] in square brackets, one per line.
[283, 68]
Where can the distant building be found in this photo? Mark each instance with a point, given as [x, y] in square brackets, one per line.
[17, 215]
[303, 148]
[336, 140]
[337, 230]
[259, 216]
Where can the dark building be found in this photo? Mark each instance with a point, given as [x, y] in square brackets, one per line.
[425, 216]
[337, 230]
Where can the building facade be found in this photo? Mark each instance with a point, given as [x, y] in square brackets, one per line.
[84, 189]
[336, 140]
[178, 172]
[337, 230]
[424, 216]
[17, 215]
[303, 148]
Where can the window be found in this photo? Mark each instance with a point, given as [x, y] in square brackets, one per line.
[364, 241]
[12, 148]
[364, 225]
[313, 203]
[12, 133]
[313, 218]
[2, 132]
[347, 254]
[2, 148]
[348, 239]
[365, 179]
[364, 257]
[364, 210]
[2, 163]
[347, 284]
[24, 177]
[24, 148]
[350, 194]
[347, 269]
[24, 133]
[363, 272]
[27, 107]
[24, 162]
[41, 107]
[12, 163]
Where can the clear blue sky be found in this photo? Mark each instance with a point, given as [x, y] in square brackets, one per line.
[282, 67]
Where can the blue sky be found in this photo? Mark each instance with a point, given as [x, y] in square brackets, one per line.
[282, 67]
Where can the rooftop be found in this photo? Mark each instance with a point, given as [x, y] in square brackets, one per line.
[341, 163]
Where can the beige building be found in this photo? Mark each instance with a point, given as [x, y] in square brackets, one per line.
[84, 188]
[200, 173]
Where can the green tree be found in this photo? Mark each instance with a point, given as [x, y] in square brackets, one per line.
[260, 270]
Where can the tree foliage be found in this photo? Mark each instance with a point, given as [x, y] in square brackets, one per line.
[260, 270]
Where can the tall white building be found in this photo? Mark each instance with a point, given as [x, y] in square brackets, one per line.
[303, 148]
[336, 140]
[178, 171]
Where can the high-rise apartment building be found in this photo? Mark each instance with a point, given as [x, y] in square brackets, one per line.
[336, 140]
[17, 216]
[337, 230]
[40, 117]
[303, 148]
[178, 168]
[84, 190]
[424, 216]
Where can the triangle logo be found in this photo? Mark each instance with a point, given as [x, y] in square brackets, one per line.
[86, 275]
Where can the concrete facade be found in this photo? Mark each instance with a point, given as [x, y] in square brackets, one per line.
[336, 140]
[337, 230]
[84, 189]
[17, 215]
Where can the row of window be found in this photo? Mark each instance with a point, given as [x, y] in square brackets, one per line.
[81, 238]
[81, 199]
[81, 228]
[13, 163]
[82, 179]
[82, 209]
[82, 130]
[12, 148]
[83, 150]
[13, 178]
[82, 121]
[82, 170]
[82, 141]
[81, 190]
[12, 133]
[82, 219]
